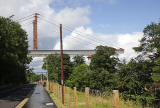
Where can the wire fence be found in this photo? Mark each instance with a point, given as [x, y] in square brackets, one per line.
[90, 98]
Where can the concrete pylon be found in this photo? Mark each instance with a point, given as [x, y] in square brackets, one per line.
[35, 43]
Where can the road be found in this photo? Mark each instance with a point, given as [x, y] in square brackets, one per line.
[40, 99]
[12, 98]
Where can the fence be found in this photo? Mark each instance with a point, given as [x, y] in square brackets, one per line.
[86, 98]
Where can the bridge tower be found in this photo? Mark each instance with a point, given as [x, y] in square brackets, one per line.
[35, 43]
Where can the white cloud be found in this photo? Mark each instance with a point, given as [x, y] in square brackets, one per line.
[46, 32]
[37, 63]
[74, 17]
[108, 1]
[73, 41]
[89, 40]
[128, 41]
[47, 36]
[63, 3]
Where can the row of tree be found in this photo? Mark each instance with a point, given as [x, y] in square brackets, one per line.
[13, 52]
[134, 79]
[32, 76]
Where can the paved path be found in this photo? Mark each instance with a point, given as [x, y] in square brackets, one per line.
[39, 99]
[12, 98]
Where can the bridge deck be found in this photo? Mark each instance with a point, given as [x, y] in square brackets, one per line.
[44, 53]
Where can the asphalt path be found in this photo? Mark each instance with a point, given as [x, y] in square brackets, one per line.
[40, 99]
[13, 97]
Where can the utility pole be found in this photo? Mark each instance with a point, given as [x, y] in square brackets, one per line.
[35, 46]
[61, 46]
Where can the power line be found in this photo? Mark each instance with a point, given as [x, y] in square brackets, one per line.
[25, 24]
[23, 18]
[81, 42]
[66, 27]
[82, 38]
[21, 21]
[40, 22]
[51, 29]
[73, 32]
[95, 43]
[77, 38]
[73, 37]
[80, 33]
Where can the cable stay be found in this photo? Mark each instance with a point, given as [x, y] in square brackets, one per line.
[80, 34]
[24, 18]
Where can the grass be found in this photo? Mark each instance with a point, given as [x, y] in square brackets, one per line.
[156, 77]
[94, 101]
[55, 99]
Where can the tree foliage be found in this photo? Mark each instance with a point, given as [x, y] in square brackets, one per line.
[134, 80]
[150, 40]
[149, 49]
[31, 76]
[150, 44]
[13, 52]
[104, 59]
[100, 75]
[78, 77]
[78, 60]
[52, 64]
[103, 68]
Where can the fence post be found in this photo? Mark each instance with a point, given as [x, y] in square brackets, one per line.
[75, 97]
[64, 93]
[60, 88]
[87, 97]
[116, 98]
[68, 97]
[51, 88]
[55, 86]
[49, 85]
[58, 91]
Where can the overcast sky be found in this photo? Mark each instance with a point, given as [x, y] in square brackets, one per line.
[116, 23]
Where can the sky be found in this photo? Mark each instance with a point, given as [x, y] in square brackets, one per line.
[116, 23]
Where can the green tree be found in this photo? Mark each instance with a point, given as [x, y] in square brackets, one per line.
[135, 79]
[103, 68]
[150, 44]
[150, 40]
[101, 80]
[52, 63]
[156, 67]
[31, 76]
[78, 60]
[78, 77]
[104, 59]
[13, 52]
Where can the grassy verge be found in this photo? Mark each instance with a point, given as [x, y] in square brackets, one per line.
[55, 99]
[94, 101]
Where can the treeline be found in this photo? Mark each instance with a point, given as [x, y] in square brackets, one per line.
[13, 52]
[33, 77]
[134, 79]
